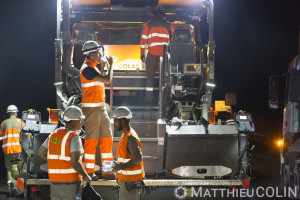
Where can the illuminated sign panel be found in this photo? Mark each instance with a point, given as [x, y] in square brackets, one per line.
[129, 64]
[128, 57]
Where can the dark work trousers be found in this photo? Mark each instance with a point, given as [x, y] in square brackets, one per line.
[152, 66]
[124, 194]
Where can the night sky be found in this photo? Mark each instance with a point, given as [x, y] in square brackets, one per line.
[254, 39]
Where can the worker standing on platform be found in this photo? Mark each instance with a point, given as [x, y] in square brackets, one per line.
[156, 33]
[63, 151]
[10, 134]
[130, 167]
[97, 123]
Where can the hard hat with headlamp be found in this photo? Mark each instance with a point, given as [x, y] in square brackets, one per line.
[122, 112]
[73, 113]
[91, 46]
[12, 109]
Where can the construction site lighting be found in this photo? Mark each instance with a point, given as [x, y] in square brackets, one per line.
[279, 143]
[210, 84]
[58, 83]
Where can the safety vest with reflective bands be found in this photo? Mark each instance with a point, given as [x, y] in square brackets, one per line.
[10, 135]
[156, 34]
[60, 168]
[93, 92]
[134, 173]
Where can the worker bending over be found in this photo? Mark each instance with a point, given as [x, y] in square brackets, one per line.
[10, 134]
[63, 151]
[130, 167]
[97, 123]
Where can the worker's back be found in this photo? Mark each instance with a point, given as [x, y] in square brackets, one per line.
[11, 129]
[159, 32]
[11, 123]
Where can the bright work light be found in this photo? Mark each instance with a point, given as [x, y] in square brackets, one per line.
[210, 84]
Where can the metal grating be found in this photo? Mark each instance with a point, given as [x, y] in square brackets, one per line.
[157, 183]
[199, 129]
[47, 128]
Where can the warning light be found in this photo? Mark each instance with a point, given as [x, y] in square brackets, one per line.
[279, 143]
[33, 189]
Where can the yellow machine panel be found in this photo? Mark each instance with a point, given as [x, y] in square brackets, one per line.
[128, 57]
[221, 107]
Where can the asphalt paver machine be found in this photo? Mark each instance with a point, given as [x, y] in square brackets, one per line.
[182, 146]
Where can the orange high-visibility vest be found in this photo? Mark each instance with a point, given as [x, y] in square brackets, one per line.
[10, 135]
[60, 168]
[134, 173]
[93, 92]
[156, 35]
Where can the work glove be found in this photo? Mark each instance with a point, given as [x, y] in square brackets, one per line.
[117, 167]
[143, 58]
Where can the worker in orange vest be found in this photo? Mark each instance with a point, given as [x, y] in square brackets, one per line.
[97, 123]
[130, 167]
[63, 151]
[156, 33]
[10, 134]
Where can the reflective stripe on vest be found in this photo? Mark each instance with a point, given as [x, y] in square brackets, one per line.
[159, 35]
[11, 135]
[61, 171]
[158, 43]
[57, 157]
[93, 92]
[133, 172]
[91, 84]
[10, 144]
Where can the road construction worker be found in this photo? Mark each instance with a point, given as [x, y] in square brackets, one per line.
[130, 167]
[97, 123]
[63, 151]
[156, 33]
[10, 134]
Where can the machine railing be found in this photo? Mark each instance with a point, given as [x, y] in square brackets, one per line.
[164, 80]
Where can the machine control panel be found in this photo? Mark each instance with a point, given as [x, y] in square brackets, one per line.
[244, 122]
[31, 121]
[192, 69]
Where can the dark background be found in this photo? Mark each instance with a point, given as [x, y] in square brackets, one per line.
[254, 39]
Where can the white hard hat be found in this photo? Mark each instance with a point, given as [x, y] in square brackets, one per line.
[73, 113]
[90, 46]
[12, 108]
[122, 112]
